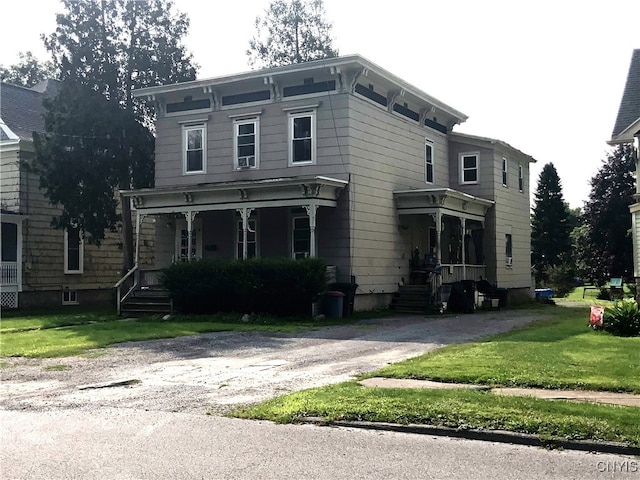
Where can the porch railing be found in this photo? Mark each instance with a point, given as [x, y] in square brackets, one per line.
[456, 273]
[130, 277]
[9, 273]
[149, 278]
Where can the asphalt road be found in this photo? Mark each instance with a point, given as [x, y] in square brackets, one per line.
[134, 444]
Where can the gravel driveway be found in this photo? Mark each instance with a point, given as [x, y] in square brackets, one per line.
[212, 372]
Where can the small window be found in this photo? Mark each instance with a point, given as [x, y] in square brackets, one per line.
[69, 297]
[73, 251]
[302, 146]
[301, 237]
[252, 238]
[520, 178]
[428, 160]
[469, 168]
[195, 141]
[508, 242]
[504, 172]
[246, 140]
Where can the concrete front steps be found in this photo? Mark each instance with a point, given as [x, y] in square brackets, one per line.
[412, 299]
[147, 301]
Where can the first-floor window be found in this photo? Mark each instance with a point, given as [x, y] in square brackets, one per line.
[508, 249]
[183, 254]
[73, 250]
[428, 161]
[301, 237]
[194, 145]
[469, 168]
[252, 239]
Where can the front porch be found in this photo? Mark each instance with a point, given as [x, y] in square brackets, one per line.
[11, 260]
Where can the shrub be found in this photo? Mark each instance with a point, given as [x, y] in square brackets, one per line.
[622, 319]
[276, 286]
[562, 279]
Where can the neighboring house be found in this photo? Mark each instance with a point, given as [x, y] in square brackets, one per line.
[340, 159]
[627, 130]
[42, 266]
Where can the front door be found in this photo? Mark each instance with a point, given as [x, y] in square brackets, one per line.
[182, 240]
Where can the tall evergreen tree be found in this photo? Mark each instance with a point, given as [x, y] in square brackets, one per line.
[291, 31]
[28, 71]
[550, 227]
[604, 243]
[106, 47]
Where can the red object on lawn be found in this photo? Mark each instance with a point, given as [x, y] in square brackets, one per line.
[595, 319]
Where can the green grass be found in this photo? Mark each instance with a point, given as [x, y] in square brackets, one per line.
[57, 335]
[462, 409]
[15, 321]
[561, 352]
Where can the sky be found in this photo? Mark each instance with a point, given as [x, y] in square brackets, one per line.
[546, 76]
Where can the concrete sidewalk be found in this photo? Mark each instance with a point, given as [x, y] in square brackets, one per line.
[614, 398]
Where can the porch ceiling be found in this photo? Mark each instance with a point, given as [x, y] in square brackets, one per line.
[276, 192]
[444, 200]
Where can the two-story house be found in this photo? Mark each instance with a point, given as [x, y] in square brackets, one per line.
[336, 158]
[627, 130]
[42, 266]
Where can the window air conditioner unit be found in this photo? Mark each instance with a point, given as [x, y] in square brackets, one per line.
[509, 261]
[246, 162]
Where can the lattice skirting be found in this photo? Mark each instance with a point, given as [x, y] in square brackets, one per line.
[9, 299]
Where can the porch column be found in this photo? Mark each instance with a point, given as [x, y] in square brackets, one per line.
[189, 216]
[439, 237]
[139, 219]
[311, 212]
[463, 224]
[245, 213]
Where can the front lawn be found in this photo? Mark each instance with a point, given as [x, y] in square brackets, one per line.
[561, 352]
[73, 333]
[557, 353]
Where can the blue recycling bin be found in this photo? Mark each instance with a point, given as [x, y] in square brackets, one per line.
[333, 302]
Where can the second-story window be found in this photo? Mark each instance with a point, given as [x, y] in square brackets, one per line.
[469, 165]
[504, 172]
[247, 143]
[520, 178]
[302, 141]
[195, 153]
[428, 160]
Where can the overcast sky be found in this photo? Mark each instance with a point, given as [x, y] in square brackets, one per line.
[544, 76]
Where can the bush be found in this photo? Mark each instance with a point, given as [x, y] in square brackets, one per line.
[282, 286]
[622, 319]
[562, 279]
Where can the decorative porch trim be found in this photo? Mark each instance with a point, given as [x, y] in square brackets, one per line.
[443, 200]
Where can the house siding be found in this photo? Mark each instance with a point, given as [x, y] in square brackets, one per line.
[386, 154]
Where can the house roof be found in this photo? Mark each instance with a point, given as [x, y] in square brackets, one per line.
[353, 63]
[628, 119]
[21, 112]
[492, 141]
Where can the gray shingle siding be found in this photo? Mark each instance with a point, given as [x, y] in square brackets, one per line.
[629, 111]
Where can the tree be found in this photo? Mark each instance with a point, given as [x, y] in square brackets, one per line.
[550, 227]
[28, 71]
[604, 247]
[291, 31]
[108, 47]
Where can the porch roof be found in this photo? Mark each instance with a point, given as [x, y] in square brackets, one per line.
[273, 192]
[444, 200]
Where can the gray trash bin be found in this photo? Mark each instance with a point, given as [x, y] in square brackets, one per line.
[333, 301]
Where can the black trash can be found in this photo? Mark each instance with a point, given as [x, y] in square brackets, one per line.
[349, 290]
[501, 293]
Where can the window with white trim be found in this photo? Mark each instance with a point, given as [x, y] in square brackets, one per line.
[69, 297]
[504, 173]
[194, 141]
[246, 140]
[469, 167]
[428, 161]
[520, 178]
[301, 237]
[302, 138]
[508, 249]
[252, 238]
[73, 251]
